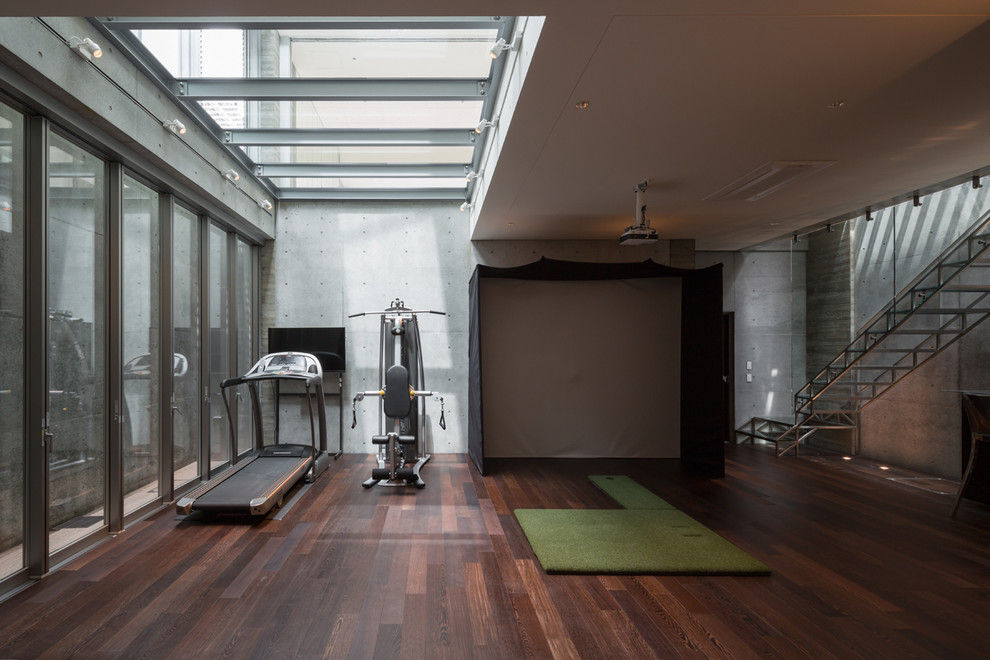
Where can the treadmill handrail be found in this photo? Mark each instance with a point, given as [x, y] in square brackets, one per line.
[309, 379]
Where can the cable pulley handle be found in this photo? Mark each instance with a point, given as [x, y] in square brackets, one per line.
[443, 423]
[398, 312]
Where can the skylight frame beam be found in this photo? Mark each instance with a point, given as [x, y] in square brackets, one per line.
[359, 170]
[317, 137]
[370, 194]
[120, 23]
[335, 89]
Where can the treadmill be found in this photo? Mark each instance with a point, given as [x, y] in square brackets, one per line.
[256, 483]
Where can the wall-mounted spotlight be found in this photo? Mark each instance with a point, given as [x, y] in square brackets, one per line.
[498, 48]
[265, 204]
[231, 175]
[471, 176]
[175, 126]
[916, 200]
[85, 48]
[466, 205]
[869, 214]
[483, 124]
[976, 182]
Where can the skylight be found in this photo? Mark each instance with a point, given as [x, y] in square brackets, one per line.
[384, 107]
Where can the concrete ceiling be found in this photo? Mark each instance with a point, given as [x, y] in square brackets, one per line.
[694, 94]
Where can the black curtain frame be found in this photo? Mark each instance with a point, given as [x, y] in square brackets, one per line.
[702, 395]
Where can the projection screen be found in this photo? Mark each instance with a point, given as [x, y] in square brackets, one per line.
[582, 368]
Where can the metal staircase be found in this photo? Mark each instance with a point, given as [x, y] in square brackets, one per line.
[947, 300]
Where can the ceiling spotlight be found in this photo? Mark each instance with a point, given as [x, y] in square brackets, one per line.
[231, 175]
[175, 126]
[499, 47]
[85, 48]
[466, 205]
[471, 176]
[483, 124]
[265, 204]
[581, 105]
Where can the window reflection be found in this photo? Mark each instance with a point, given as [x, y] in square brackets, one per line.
[186, 342]
[140, 320]
[219, 345]
[77, 339]
[11, 340]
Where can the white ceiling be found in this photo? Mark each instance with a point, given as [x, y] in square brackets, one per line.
[694, 94]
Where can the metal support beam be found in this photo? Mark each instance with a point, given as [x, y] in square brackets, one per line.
[347, 170]
[456, 137]
[302, 23]
[335, 89]
[362, 194]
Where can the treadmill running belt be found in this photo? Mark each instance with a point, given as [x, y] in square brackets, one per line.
[257, 487]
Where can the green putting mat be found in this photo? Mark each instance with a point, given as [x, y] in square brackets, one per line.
[627, 492]
[647, 537]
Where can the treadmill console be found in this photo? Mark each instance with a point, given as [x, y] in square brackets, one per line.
[288, 364]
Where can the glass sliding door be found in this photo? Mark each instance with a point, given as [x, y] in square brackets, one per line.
[244, 287]
[140, 342]
[219, 346]
[187, 345]
[77, 341]
[12, 392]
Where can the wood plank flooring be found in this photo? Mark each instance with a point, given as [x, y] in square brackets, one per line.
[863, 567]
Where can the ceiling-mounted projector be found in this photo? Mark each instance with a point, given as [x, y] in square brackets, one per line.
[640, 233]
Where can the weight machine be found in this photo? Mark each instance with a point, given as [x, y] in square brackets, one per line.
[401, 451]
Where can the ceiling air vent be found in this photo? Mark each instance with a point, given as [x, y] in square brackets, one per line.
[768, 178]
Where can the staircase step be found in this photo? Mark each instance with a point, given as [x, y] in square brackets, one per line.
[949, 310]
[979, 288]
[930, 331]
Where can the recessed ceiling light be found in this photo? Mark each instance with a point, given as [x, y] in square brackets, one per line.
[581, 105]
[835, 105]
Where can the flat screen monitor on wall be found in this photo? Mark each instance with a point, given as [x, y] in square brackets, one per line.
[326, 344]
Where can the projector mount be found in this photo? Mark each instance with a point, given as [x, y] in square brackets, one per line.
[640, 233]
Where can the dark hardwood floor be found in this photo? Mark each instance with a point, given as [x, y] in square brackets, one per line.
[863, 566]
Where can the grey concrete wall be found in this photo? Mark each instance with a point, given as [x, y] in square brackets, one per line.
[829, 296]
[333, 259]
[917, 423]
[330, 260]
[765, 290]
